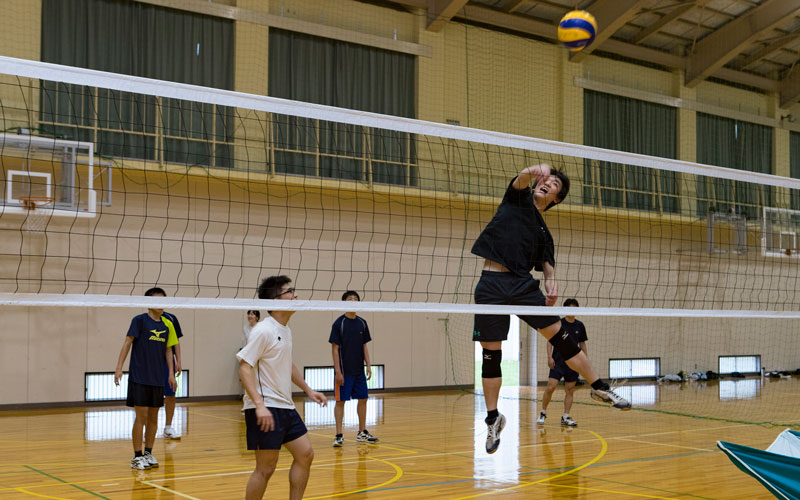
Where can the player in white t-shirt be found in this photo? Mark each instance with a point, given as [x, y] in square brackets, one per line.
[267, 372]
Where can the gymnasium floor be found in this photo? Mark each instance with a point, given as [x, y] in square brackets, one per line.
[431, 447]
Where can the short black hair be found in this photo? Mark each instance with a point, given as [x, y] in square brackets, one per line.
[351, 293]
[571, 302]
[270, 288]
[155, 291]
[257, 314]
[562, 195]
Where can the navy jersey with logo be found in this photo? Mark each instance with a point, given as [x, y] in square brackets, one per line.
[576, 331]
[350, 335]
[150, 342]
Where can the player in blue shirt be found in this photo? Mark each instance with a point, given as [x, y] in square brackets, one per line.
[149, 340]
[348, 339]
[559, 368]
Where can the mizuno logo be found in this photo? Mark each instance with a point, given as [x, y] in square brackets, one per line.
[157, 335]
[487, 356]
[564, 337]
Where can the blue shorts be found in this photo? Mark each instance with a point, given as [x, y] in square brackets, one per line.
[355, 387]
[563, 371]
[288, 427]
[167, 389]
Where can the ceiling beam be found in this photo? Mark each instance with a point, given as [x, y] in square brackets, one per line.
[511, 5]
[441, 11]
[722, 45]
[767, 50]
[611, 15]
[790, 88]
[674, 14]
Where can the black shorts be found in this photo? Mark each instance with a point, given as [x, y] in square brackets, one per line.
[561, 370]
[288, 427]
[144, 395]
[506, 289]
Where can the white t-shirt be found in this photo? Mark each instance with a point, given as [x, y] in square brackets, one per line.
[269, 351]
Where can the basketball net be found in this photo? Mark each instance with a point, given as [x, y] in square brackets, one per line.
[36, 220]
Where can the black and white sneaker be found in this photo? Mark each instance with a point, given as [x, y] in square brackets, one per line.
[365, 437]
[568, 422]
[493, 433]
[542, 417]
[338, 441]
[610, 397]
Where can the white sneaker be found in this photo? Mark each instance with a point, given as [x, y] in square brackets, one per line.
[542, 416]
[150, 459]
[365, 437]
[170, 433]
[139, 463]
[568, 422]
[611, 397]
[493, 433]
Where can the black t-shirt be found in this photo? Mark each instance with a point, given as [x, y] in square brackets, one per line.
[517, 235]
[577, 332]
[350, 335]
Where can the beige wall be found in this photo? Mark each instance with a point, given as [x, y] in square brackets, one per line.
[474, 76]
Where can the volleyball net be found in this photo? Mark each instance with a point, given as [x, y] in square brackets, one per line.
[136, 183]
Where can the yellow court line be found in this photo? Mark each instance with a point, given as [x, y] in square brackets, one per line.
[610, 491]
[398, 474]
[148, 483]
[603, 450]
[23, 490]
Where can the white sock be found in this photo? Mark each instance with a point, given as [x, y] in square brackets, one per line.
[565, 416]
[544, 412]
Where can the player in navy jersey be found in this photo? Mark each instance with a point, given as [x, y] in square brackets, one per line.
[515, 242]
[559, 369]
[348, 339]
[150, 339]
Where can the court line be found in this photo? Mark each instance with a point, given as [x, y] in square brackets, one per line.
[663, 444]
[609, 491]
[23, 490]
[398, 474]
[603, 450]
[64, 482]
[148, 483]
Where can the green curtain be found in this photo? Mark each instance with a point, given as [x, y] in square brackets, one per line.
[324, 71]
[634, 126]
[132, 38]
[794, 168]
[734, 144]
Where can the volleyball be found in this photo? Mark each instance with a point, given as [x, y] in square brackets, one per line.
[577, 29]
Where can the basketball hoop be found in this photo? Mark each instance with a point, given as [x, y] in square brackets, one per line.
[36, 219]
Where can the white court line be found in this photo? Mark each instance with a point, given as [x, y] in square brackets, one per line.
[149, 483]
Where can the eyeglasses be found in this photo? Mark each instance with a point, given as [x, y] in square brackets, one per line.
[288, 290]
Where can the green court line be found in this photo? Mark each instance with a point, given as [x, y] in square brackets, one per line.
[62, 481]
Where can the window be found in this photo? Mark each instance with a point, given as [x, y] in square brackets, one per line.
[124, 124]
[320, 378]
[634, 368]
[101, 387]
[634, 126]
[734, 144]
[347, 75]
[741, 364]
[794, 168]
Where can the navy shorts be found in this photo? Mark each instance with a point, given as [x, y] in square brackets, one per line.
[561, 370]
[355, 387]
[167, 389]
[144, 395]
[288, 427]
[506, 289]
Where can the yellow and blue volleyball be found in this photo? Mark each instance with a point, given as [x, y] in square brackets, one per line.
[577, 30]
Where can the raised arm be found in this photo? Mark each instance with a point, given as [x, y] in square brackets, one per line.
[534, 173]
[550, 284]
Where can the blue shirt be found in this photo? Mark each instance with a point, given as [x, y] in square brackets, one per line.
[576, 331]
[350, 335]
[148, 353]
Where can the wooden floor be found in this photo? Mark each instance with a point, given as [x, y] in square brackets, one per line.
[431, 447]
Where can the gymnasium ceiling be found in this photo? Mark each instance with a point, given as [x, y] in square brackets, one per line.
[749, 42]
